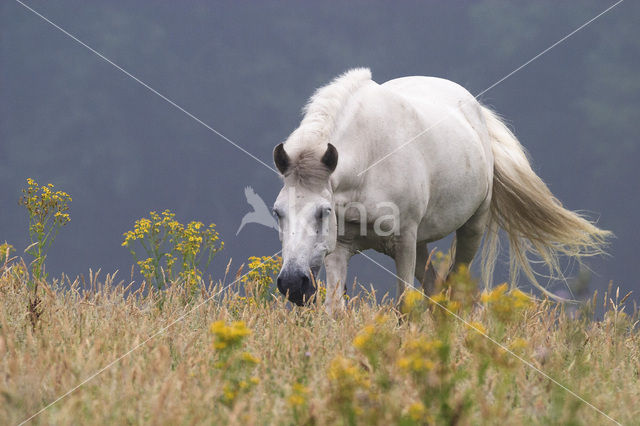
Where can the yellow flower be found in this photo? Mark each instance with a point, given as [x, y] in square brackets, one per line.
[296, 400]
[478, 326]
[373, 339]
[298, 396]
[249, 358]
[443, 306]
[505, 305]
[228, 393]
[411, 301]
[347, 376]
[521, 299]
[415, 364]
[300, 388]
[5, 251]
[495, 294]
[167, 240]
[47, 212]
[518, 345]
[417, 411]
[147, 268]
[43, 204]
[262, 270]
[228, 335]
[6, 248]
[418, 355]
[365, 338]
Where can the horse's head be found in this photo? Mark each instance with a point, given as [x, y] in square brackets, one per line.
[307, 222]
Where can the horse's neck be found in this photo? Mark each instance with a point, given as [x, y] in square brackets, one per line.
[344, 182]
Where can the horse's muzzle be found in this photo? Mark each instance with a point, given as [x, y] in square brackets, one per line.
[297, 286]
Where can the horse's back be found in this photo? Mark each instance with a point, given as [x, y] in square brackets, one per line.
[423, 89]
[454, 145]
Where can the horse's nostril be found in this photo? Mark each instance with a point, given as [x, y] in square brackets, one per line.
[296, 286]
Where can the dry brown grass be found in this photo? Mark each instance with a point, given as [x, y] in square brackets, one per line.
[175, 377]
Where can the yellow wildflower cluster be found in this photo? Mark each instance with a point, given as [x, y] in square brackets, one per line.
[412, 298]
[165, 241]
[321, 293]
[347, 376]
[229, 394]
[5, 251]
[475, 338]
[147, 268]
[478, 326]
[372, 335]
[419, 413]
[299, 395]
[373, 340]
[44, 204]
[351, 388]
[231, 390]
[191, 239]
[442, 307]
[263, 269]
[227, 336]
[235, 366]
[262, 273]
[462, 287]
[418, 355]
[443, 300]
[518, 345]
[238, 303]
[249, 358]
[413, 303]
[505, 305]
[476, 341]
[48, 211]
[191, 279]
[365, 340]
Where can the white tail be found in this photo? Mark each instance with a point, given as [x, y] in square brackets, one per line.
[532, 217]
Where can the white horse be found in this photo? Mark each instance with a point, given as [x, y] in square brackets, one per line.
[394, 166]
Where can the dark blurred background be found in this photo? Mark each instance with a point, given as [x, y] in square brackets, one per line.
[246, 69]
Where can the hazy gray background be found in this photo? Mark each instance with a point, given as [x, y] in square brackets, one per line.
[69, 118]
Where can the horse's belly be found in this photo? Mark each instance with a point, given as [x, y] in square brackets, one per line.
[436, 227]
[455, 194]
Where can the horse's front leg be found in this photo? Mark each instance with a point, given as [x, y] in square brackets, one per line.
[335, 264]
[405, 258]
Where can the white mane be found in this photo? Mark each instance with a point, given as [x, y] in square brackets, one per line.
[323, 110]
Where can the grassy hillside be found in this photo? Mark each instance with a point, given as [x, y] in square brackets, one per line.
[230, 359]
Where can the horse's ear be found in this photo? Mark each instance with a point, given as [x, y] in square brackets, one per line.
[330, 158]
[281, 158]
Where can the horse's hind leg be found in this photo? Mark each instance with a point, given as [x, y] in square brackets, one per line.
[469, 236]
[426, 276]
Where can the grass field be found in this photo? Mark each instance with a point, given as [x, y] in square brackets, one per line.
[231, 358]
